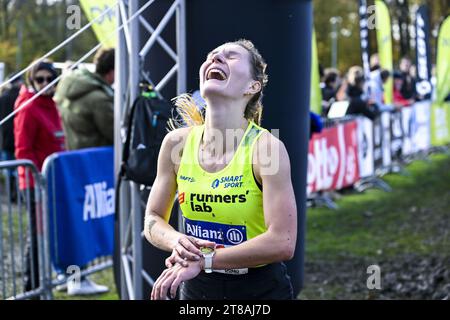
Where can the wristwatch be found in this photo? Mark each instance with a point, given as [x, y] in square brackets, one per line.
[208, 254]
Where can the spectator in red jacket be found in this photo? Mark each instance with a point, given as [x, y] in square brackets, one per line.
[38, 133]
[38, 129]
[399, 99]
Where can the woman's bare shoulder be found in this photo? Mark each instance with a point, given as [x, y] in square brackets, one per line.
[177, 136]
[173, 145]
[270, 155]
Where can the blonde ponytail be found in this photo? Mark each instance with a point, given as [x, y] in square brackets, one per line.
[188, 112]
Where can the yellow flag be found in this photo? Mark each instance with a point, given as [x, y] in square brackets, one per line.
[105, 27]
[316, 93]
[383, 25]
[443, 62]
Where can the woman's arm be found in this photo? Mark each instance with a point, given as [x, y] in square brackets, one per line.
[157, 230]
[159, 206]
[341, 92]
[280, 212]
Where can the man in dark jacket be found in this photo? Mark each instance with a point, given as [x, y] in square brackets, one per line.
[86, 104]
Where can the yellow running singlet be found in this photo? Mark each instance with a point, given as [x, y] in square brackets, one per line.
[225, 206]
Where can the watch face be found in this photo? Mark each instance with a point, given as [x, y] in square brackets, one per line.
[206, 250]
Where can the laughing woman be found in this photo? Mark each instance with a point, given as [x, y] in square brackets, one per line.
[234, 189]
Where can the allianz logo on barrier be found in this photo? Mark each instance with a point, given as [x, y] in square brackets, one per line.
[98, 201]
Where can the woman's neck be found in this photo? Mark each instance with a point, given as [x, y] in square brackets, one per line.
[224, 124]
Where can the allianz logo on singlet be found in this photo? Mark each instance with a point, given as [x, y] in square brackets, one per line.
[225, 234]
[228, 182]
[199, 201]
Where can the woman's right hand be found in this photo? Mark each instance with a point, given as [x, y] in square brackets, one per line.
[187, 248]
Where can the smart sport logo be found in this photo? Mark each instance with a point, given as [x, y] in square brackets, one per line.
[228, 182]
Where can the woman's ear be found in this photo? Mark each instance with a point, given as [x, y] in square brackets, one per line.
[254, 88]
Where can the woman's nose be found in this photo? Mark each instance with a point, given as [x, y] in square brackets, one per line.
[218, 57]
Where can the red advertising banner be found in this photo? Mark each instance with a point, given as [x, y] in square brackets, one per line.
[333, 158]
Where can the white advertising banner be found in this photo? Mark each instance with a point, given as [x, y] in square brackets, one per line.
[408, 130]
[396, 135]
[386, 138]
[365, 147]
[421, 135]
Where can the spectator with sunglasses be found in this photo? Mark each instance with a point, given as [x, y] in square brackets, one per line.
[38, 133]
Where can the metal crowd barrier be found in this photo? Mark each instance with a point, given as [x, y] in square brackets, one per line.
[24, 263]
[328, 122]
[97, 265]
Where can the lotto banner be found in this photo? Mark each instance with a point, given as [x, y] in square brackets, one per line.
[333, 158]
[105, 26]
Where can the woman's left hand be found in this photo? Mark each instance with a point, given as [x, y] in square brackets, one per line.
[171, 278]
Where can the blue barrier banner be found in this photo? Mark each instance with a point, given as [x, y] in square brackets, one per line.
[81, 206]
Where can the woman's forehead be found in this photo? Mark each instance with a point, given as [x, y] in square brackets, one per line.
[230, 47]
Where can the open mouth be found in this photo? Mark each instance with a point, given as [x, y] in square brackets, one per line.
[216, 74]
